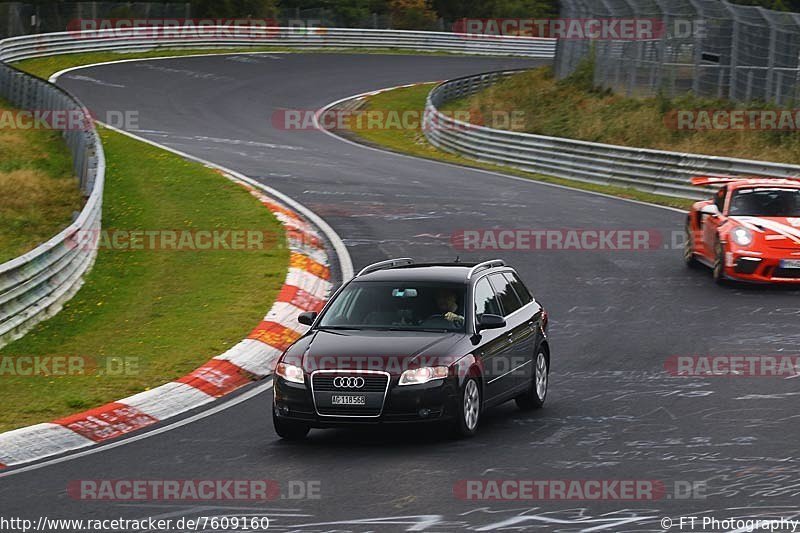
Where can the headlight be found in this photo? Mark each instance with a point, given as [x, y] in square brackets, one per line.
[290, 373]
[742, 236]
[418, 376]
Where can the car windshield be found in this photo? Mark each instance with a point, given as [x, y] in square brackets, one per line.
[769, 202]
[397, 306]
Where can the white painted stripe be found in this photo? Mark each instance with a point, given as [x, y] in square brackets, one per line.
[299, 226]
[34, 442]
[777, 227]
[308, 282]
[146, 435]
[285, 314]
[168, 400]
[54, 77]
[294, 223]
[316, 254]
[253, 356]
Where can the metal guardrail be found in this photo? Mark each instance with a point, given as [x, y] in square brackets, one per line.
[656, 171]
[143, 38]
[35, 285]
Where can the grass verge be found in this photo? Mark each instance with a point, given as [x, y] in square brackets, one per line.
[575, 109]
[412, 141]
[168, 311]
[38, 193]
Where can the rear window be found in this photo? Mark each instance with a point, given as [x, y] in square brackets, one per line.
[505, 293]
[520, 288]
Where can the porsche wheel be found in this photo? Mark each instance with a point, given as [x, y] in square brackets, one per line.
[719, 264]
[688, 248]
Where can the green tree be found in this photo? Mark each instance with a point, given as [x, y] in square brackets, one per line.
[412, 15]
[235, 8]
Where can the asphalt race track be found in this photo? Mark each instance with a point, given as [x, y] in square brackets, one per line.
[613, 412]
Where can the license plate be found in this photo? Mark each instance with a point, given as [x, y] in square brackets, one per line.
[790, 263]
[348, 400]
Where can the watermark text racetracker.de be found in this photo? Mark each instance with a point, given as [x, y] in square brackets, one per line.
[68, 365]
[733, 119]
[585, 239]
[396, 120]
[767, 366]
[193, 490]
[596, 29]
[173, 29]
[173, 240]
[65, 119]
[577, 490]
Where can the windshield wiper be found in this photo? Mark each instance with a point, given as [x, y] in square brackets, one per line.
[337, 328]
[398, 328]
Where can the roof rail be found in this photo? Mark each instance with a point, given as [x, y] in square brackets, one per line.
[486, 265]
[391, 263]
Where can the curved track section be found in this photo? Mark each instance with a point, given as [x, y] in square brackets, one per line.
[613, 412]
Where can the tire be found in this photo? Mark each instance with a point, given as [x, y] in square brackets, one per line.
[290, 430]
[535, 397]
[719, 264]
[469, 412]
[688, 248]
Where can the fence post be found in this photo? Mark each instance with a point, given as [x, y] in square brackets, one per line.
[734, 52]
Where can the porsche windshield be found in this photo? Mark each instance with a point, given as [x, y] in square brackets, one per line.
[398, 306]
[766, 203]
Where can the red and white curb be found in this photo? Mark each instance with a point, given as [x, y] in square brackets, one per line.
[306, 288]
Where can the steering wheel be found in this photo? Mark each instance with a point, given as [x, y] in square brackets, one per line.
[437, 319]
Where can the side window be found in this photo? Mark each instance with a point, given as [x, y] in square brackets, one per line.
[508, 298]
[719, 198]
[485, 299]
[519, 288]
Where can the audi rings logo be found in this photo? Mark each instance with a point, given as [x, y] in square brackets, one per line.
[348, 382]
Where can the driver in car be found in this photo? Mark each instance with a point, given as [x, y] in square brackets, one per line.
[447, 303]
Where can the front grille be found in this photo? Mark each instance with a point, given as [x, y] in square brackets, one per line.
[349, 411]
[786, 273]
[747, 266]
[374, 393]
[372, 382]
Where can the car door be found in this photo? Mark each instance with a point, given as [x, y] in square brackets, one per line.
[493, 345]
[532, 332]
[711, 224]
[518, 333]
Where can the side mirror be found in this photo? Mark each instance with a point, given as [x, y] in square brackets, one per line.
[710, 209]
[487, 321]
[308, 318]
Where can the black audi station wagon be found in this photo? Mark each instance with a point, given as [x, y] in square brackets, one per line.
[403, 342]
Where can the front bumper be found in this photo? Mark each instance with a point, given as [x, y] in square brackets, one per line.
[437, 401]
[746, 266]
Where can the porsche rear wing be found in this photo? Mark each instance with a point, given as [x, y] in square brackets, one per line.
[723, 180]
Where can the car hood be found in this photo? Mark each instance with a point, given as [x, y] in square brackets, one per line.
[390, 351]
[779, 232]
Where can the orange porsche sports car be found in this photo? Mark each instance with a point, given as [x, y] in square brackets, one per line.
[749, 230]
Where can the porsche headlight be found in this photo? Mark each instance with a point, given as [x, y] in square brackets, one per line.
[418, 376]
[290, 373]
[742, 236]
